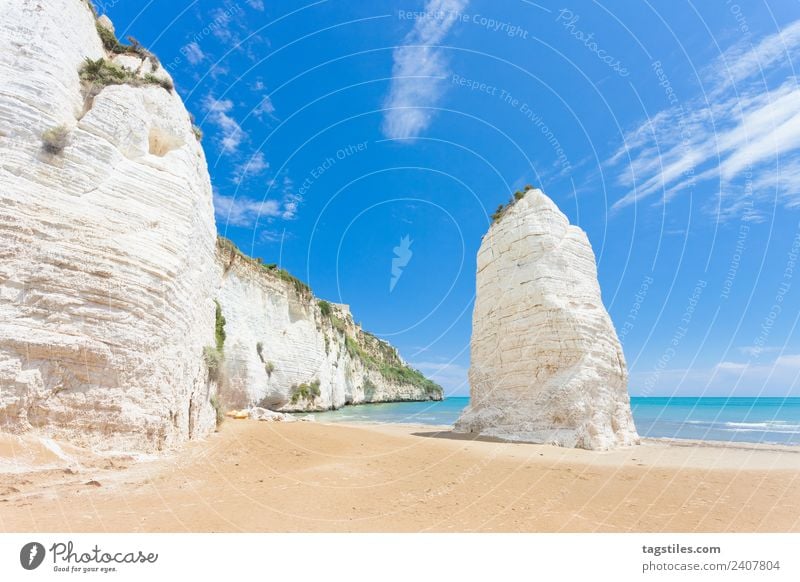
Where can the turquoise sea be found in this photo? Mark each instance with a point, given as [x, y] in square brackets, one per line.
[757, 420]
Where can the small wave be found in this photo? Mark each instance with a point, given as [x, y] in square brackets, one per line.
[760, 430]
[771, 426]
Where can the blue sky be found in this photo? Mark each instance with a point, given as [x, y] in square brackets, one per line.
[343, 136]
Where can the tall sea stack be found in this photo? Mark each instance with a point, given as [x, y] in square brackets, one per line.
[546, 363]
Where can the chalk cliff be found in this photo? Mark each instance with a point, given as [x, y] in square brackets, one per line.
[111, 282]
[546, 364]
[286, 350]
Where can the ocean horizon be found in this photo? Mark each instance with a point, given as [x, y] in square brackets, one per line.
[767, 420]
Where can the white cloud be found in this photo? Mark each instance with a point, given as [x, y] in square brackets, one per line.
[254, 166]
[256, 4]
[756, 351]
[740, 135]
[778, 377]
[291, 200]
[265, 107]
[783, 367]
[743, 60]
[789, 360]
[290, 210]
[731, 367]
[271, 236]
[232, 134]
[242, 211]
[418, 71]
[783, 182]
[221, 26]
[193, 53]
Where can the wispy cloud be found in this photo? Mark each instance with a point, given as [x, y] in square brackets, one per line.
[782, 365]
[419, 70]
[231, 132]
[232, 27]
[242, 211]
[264, 107]
[268, 235]
[194, 54]
[223, 20]
[254, 166]
[755, 351]
[291, 200]
[743, 61]
[738, 136]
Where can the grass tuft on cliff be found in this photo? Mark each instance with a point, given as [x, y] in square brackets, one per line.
[219, 327]
[112, 44]
[214, 356]
[102, 72]
[308, 392]
[55, 139]
[503, 208]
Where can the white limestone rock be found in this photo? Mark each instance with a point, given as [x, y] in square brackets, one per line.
[264, 415]
[106, 248]
[278, 339]
[105, 22]
[546, 364]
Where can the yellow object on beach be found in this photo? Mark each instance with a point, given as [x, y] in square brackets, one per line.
[238, 414]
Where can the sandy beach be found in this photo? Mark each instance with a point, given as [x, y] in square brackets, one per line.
[306, 476]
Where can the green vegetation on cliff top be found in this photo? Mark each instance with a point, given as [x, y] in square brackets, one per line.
[228, 246]
[503, 208]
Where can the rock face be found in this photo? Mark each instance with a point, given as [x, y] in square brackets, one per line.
[106, 246]
[286, 350]
[546, 364]
[109, 267]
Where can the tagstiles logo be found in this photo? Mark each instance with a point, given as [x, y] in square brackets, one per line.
[66, 558]
[31, 555]
[402, 256]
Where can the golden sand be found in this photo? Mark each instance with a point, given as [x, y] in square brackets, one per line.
[306, 476]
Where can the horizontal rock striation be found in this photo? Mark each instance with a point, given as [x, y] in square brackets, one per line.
[106, 242]
[286, 350]
[546, 364]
